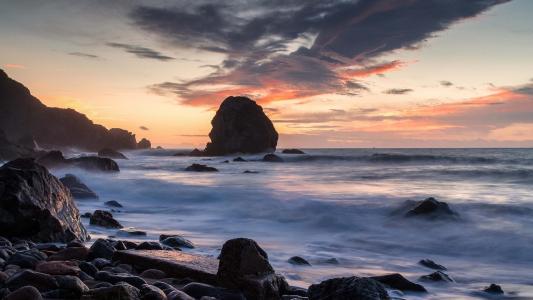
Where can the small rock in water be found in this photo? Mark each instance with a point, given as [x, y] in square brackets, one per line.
[132, 232]
[239, 159]
[175, 241]
[297, 260]
[432, 265]
[292, 151]
[332, 261]
[111, 153]
[397, 281]
[494, 289]
[272, 158]
[430, 208]
[348, 288]
[86, 215]
[250, 172]
[437, 276]
[200, 168]
[113, 203]
[149, 246]
[77, 188]
[105, 219]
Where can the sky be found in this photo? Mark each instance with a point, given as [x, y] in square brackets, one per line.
[361, 73]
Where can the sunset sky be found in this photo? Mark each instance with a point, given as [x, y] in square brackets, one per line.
[367, 73]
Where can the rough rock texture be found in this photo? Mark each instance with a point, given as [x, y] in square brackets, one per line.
[110, 153]
[200, 168]
[144, 144]
[241, 126]
[10, 150]
[35, 205]
[105, 219]
[24, 115]
[397, 281]
[437, 276]
[244, 266]
[431, 208]
[77, 188]
[348, 288]
[55, 159]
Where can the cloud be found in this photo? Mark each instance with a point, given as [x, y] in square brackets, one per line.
[143, 128]
[84, 55]
[397, 91]
[14, 66]
[446, 83]
[141, 52]
[305, 47]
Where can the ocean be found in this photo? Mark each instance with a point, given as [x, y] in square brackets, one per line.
[338, 204]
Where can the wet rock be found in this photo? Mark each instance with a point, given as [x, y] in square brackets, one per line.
[74, 244]
[11, 150]
[437, 276]
[153, 274]
[55, 159]
[87, 215]
[178, 295]
[250, 172]
[105, 219]
[430, 208]
[58, 268]
[35, 205]
[397, 281]
[348, 288]
[432, 265]
[239, 159]
[43, 282]
[77, 188]
[88, 268]
[175, 241]
[130, 232]
[297, 291]
[150, 292]
[200, 168]
[292, 151]
[241, 126]
[297, 260]
[272, 158]
[494, 289]
[72, 253]
[24, 293]
[72, 284]
[197, 152]
[149, 246]
[121, 277]
[244, 266]
[101, 262]
[199, 290]
[144, 144]
[26, 259]
[110, 153]
[102, 249]
[122, 291]
[113, 203]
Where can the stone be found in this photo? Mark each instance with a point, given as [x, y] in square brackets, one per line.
[58, 268]
[149, 246]
[87, 215]
[297, 260]
[244, 266]
[430, 208]
[110, 153]
[292, 151]
[153, 274]
[55, 159]
[175, 241]
[494, 289]
[200, 168]
[272, 158]
[120, 277]
[77, 188]
[397, 281]
[432, 265]
[35, 205]
[10, 150]
[24, 293]
[72, 284]
[150, 292]
[144, 144]
[43, 282]
[437, 276]
[26, 259]
[101, 262]
[250, 172]
[198, 290]
[102, 249]
[241, 126]
[348, 288]
[239, 159]
[71, 253]
[122, 291]
[105, 219]
[130, 232]
[113, 203]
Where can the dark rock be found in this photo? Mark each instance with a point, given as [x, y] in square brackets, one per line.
[113, 203]
[87, 215]
[10, 150]
[241, 126]
[74, 244]
[250, 172]
[77, 188]
[292, 151]
[149, 246]
[175, 241]
[431, 209]
[153, 274]
[150, 292]
[200, 168]
[239, 159]
[144, 144]
[397, 281]
[72, 253]
[35, 205]
[244, 266]
[332, 261]
[494, 289]
[51, 247]
[88, 268]
[272, 158]
[432, 265]
[437, 276]
[101, 262]
[121, 277]
[130, 232]
[110, 153]
[43, 282]
[297, 291]
[25, 293]
[105, 219]
[197, 152]
[199, 290]
[27, 259]
[297, 260]
[130, 244]
[102, 249]
[94, 163]
[60, 294]
[122, 291]
[348, 288]
[72, 284]
[58, 268]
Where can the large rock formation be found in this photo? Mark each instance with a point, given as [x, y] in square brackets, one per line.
[9, 150]
[35, 205]
[22, 115]
[241, 126]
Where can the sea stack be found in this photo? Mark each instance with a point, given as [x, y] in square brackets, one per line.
[241, 126]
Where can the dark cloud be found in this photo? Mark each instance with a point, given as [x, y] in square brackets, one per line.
[141, 51]
[397, 91]
[143, 128]
[446, 83]
[258, 38]
[84, 55]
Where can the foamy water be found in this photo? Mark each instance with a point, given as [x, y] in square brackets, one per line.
[337, 203]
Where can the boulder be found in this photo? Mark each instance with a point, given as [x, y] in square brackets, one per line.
[55, 159]
[494, 289]
[437, 276]
[241, 126]
[43, 282]
[175, 241]
[244, 266]
[153, 274]
[200, 168]
[10, 150]
[71, 253]
[198, 290]
[77, 188]
[24, 293]
[120, 277]
[113, 203]
[348, 288]
[297, 260]
[397, 281]
[430, 208]
[150, 292]
[102, 249]
[72, 284]
[105, 219]
[272, 158]
[110, 153]
[144, 144]
[58, 268]
[26, 258]
[35, 205]
[121, 291]
[149, 246]
[292, 151]
[239, 159]
[432, 265]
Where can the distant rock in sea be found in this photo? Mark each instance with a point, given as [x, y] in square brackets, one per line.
[272, 158]
[430, 209]
[144, 144]
[55, 159]
[241, 126]
[77, 188]
[111, 153]
[22, 116]
[200, 168]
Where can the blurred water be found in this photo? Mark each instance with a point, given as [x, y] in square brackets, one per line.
[337, 203]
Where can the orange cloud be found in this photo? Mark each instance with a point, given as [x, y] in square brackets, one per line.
[371, 70]
[14, 66]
